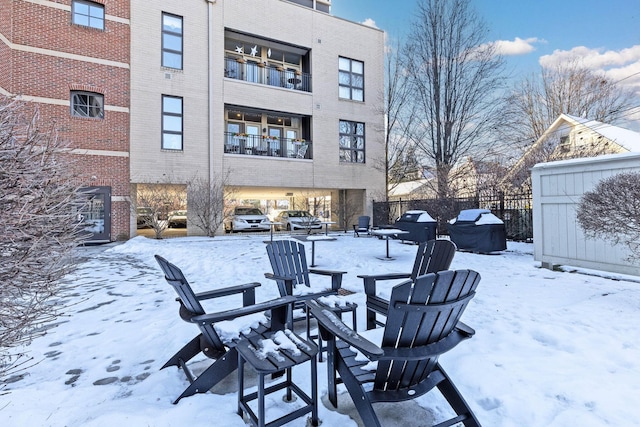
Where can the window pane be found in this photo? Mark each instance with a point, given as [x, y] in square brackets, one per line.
[344, 78]
[81, 20]
[345, 92]
[81, 8]
[171, 60]
[359, 129]
[173, 123]
[357, 81]
[344, 64]
[357, 95]
[172, 42]
[171, 141]
[172, 105]
[172, 24]
[357, 67]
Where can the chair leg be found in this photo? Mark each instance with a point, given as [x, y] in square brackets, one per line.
[455, 399]
[186, 353]
[358, 395]
[215, 373]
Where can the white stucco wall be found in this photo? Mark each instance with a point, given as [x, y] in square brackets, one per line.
[557, 190]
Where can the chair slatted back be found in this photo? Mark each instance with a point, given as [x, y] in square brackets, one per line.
[189, 304]
[433, 256]
[288, 259]
[363, 223]
[421, 313]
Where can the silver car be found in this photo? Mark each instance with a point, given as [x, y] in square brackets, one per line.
[297, 220]
[246, 219]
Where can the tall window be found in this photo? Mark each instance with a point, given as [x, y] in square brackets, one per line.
[351, 142]
[171, 41]
[351, 79]
[87, 104]
[88, 14]
[171, 122]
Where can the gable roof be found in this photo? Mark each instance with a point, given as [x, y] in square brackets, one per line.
[626, 138]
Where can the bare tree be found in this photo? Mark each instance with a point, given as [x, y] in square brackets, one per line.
[454, 76]
[611, 211]
[207, 201]
[401, 161]
[568, 88]
[40, 202]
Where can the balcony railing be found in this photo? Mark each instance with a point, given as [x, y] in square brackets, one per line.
[255, 72]
[257, 145]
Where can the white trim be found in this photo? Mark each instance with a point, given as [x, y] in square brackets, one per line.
[61, 102]
[58, 54]
[105, 153]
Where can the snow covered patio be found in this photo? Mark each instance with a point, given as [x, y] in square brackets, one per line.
[551, 348]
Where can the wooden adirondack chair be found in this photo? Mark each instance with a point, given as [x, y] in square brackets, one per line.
[362, 226]
[432, 256]
[422, 323]
[289, 263]
[208, 341]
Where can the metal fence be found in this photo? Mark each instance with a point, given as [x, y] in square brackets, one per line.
[514, 209]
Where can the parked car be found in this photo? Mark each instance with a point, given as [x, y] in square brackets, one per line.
[144, 217]
[297, 220]
[177, 219]
[246, 219]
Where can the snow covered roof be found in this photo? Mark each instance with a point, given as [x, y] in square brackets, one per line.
[626, 138]
[408, 187]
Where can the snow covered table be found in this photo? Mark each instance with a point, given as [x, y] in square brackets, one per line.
[272, 353]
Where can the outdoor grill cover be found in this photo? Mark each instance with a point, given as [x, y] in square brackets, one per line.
[420, 225]
[478, 230]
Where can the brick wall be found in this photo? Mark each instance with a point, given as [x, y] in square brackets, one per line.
[51, 58]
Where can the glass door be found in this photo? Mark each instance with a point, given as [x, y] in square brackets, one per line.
[95, 215]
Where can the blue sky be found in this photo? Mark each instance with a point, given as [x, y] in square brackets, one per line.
[605, 33]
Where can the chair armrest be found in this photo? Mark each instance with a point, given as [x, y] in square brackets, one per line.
[465, 329]
[248, 289]
[336, 277]
[239, 312]
[285, 283]
[336, 327]
[370, 280]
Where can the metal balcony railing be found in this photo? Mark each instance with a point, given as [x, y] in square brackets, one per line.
[259, 145]
[256, 72]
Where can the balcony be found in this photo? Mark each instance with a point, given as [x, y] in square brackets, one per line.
[255, 72]
[258, 145]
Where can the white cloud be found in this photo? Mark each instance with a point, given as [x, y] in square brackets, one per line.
[369, 23]
[622, 65]
[517, 46]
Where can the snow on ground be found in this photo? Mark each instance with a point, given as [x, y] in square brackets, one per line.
[551, 349]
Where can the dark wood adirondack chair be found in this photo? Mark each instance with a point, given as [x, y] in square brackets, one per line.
[432, 256]
[289, 263]
[208, 341]
[422, 323]
[363, 226]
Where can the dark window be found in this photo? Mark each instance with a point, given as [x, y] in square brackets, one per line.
[351, 79]
[88, 14]
[171, 41]
[351, 142]
[87, 104]
[171, 122]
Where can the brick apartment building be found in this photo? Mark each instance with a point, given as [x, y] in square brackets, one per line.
[279, 94]
[72, 59]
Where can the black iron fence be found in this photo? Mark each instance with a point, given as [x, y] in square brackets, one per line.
[257, 72]
[514, 209]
